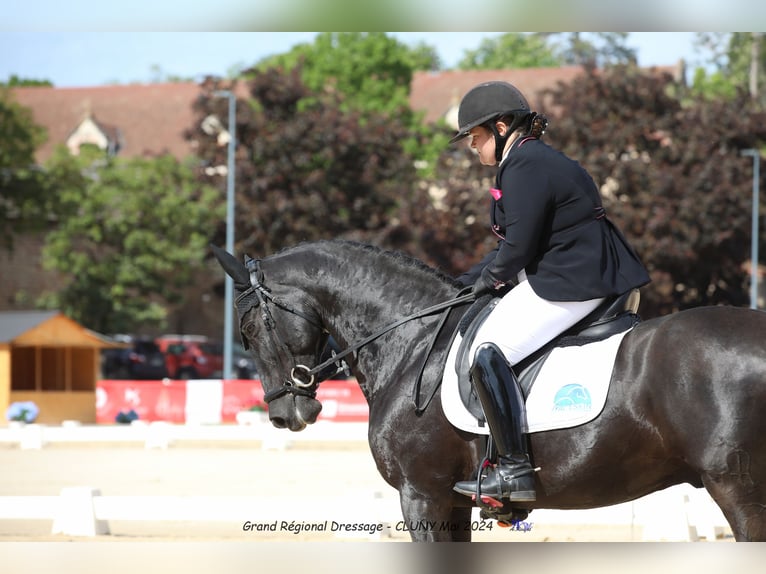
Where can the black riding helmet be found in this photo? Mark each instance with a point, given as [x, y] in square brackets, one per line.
[487, 102]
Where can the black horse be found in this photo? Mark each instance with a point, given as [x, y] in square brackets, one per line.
[686, 403]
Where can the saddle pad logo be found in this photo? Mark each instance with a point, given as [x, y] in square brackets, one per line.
[572, 397]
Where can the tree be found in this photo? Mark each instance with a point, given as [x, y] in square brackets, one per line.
[424, 57]
[599, 49]
[308, 167]
[15, 81]
[129, 237]
[22, 197]
[737, 61]
[671, 176]
[445, 221]
[716, 82]
[549, 49]
[371, 69]
[511, 50]
[373, 73]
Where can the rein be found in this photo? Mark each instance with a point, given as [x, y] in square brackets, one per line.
[303, 380]
[418, 315]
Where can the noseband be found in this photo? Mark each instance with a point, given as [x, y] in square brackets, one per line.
[303, 380]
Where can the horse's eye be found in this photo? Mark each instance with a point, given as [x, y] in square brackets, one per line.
[249, 329]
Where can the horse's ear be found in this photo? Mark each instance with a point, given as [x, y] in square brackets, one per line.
[233, 268]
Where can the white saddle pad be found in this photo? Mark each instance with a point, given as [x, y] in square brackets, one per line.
[570, 389]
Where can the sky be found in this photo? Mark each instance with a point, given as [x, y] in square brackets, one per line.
[76, 59]
[379, 15]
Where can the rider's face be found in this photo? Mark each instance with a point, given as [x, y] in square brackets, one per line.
[483, 142]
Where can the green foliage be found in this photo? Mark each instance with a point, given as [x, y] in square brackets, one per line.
[598, 49]
[372, 70]
[22, 201]
[425, 58]
[546, 49]
[511, 50]
[15, 81]
[19, 135]
[371, 73]
[731, 57]
[713, 86]
[129, 237]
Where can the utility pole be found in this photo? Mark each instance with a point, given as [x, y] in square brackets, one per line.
[754, 230]
[755, 52]
[228, 321]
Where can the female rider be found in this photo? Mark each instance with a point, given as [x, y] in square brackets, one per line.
[557, 251]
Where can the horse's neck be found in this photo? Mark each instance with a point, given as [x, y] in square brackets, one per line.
[370, 314]
[359, 294]
[369, 298]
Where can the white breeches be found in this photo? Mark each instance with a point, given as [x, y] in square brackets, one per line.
[522, 322]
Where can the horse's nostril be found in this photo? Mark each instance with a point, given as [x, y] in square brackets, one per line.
[278, 422]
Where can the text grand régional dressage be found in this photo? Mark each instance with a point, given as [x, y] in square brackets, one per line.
[296, 526]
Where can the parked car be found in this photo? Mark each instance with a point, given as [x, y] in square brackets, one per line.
[191, 356]
[142, 359]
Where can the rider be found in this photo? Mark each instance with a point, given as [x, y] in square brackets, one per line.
[557, 252]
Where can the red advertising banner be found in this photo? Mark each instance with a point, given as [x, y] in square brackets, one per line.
[150, 400]
[173, 401]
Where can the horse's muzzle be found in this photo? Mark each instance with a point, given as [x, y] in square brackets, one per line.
[294, 412]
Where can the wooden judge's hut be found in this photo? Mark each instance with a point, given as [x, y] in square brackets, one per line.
[51, 360]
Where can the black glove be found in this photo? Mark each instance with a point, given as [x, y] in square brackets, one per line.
[486, 283]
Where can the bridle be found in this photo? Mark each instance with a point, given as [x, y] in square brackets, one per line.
[258, 295]
[303, 380]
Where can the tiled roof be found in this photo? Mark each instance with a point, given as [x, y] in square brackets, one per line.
[151, 118]
[437, 93]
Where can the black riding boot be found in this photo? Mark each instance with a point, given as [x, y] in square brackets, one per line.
[513, 477]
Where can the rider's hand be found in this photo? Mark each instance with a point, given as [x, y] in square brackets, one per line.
[486, 283]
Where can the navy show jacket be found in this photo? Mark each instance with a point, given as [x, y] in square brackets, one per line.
[547, 213]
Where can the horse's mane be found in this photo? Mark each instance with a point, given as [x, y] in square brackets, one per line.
[400, 258]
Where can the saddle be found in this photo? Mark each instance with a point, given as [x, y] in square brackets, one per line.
[615, 315]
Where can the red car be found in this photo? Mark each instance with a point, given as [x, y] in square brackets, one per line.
[191, 356]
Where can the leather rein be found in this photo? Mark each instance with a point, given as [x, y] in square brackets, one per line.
[304, 380]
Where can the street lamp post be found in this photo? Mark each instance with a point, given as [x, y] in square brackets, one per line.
[754, 228]
[228, 321]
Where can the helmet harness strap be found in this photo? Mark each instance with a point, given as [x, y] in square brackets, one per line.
[499, 140]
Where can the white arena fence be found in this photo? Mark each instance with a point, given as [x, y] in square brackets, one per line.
[160, 434]
[679, 513]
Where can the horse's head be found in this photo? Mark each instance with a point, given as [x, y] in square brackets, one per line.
[285, 337]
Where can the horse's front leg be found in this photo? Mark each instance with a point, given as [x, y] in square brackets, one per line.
[433, 518]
